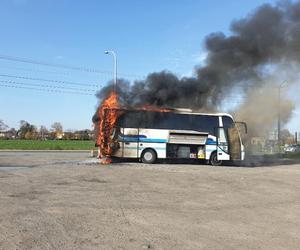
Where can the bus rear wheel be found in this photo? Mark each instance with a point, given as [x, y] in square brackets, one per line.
[149, 156]
[214, 160]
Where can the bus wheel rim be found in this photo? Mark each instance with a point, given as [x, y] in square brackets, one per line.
[148, 156]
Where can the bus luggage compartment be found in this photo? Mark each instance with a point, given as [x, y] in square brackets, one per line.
[187, 137]
[186, 144]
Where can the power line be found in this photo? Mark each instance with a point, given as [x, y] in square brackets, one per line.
[78, 68]
[35, 70]
[46, 86]
[233, 98]
[48, 80]
[68, 92]
[31, 61]
[45, 90]
[55, 90]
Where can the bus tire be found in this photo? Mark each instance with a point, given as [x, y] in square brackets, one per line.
[149, 156]
[214, 159]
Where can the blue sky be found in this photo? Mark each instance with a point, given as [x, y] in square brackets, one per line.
[147, 36]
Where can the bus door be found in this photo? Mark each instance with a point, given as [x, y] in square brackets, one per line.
[130, 142]
[234, 143]
[222, 145]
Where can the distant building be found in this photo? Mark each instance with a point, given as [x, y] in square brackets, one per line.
[10, 134]
[59, 135]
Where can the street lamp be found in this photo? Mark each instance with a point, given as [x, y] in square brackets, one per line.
[279, 113]
[115, 66]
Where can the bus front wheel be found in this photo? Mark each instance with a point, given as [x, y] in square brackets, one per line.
[149, 156]
[214, 160]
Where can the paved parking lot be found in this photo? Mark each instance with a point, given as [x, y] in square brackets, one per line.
[61, 200]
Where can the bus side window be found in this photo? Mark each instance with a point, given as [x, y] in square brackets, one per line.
[222, 140]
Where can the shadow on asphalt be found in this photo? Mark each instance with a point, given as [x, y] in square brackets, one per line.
[250, 161]
[267, 161]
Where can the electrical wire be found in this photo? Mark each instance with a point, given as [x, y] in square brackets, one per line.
[55, 90]
[45, 90]
[78, 68]
[233, 98]
[46, 86]
[34, 70]
[48, 80]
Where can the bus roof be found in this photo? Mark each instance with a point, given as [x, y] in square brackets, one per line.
[178, 111]
[190, 111]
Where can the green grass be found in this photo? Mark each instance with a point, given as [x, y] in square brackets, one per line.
[47, 145]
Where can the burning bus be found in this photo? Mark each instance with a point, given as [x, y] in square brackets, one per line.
[150, 134]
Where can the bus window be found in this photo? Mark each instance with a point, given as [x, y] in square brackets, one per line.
[222, 140]
[169, 120]
[227, 122]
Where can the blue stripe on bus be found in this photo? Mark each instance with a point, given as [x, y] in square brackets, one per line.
[141, 139]
[141, 148]
[152, 140]
[133, 136]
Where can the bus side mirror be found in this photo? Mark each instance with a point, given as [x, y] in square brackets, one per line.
[243, 124]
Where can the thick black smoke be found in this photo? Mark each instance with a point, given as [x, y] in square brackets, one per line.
[270, 35]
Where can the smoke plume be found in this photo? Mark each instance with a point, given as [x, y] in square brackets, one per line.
[261, 108]
[266, 39]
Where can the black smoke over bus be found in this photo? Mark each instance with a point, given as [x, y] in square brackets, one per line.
[259, 46]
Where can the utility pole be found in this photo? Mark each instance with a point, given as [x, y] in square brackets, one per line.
[115, 66]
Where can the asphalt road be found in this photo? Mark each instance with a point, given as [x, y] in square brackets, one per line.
[66, 201]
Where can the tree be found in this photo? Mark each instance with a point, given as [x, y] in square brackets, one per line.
[81, 135]
[57, 127]
[31, 135]
[27, 130]
[43, 133]
[3, 126]
[12, 133]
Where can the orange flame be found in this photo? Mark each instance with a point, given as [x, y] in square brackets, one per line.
[108, 115]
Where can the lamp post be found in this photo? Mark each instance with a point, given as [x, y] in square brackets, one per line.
[115, 66]
[279, 113]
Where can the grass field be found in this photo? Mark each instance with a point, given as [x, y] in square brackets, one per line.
[47, 145]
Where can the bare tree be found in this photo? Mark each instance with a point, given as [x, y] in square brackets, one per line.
[3, 126]
[57, 127]
[43, 132]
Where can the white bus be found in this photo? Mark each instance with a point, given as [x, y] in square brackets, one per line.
[180, 134]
